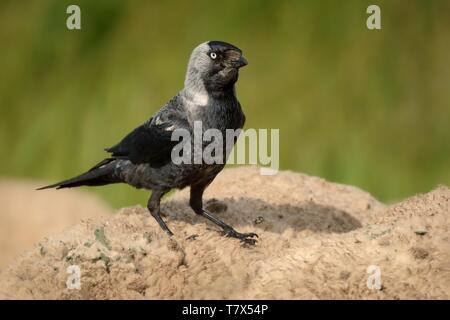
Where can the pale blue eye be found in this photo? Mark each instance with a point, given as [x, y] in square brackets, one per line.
[213, 55]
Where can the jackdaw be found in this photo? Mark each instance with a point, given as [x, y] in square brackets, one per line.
[143, 158]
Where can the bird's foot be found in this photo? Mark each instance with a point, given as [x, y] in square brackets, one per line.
[246, 238]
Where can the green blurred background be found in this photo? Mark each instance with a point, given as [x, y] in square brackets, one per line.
[368, 108]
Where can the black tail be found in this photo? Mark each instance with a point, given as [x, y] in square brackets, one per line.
[99, 175]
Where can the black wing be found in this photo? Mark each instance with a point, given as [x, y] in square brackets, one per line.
[151, 142]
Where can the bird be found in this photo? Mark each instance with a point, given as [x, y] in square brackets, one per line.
[144, 159]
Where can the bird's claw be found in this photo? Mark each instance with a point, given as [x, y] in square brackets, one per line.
[246, 238]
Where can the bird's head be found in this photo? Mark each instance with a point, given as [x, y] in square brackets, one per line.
[214, 65]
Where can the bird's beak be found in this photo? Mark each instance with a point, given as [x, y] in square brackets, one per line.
[242, 62]
[235, 59]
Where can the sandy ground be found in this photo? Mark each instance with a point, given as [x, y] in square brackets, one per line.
[26, 216]
[316, 241]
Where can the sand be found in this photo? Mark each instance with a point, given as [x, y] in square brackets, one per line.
[317, 240]
[26, 216]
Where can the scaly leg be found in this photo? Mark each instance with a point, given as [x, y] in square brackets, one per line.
[153, 206]
[196, 203]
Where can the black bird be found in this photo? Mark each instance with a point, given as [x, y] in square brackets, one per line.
[143, 158]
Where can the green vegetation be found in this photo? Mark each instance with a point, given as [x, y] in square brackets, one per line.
[100, 237]
[369, 108]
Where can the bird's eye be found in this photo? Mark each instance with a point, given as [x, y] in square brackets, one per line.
[213, 55]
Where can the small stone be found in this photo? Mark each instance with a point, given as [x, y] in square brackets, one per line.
[43, 250]
[259, 220]
[421, 232]
[192, 237]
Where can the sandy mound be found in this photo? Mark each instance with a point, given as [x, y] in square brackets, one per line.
[317, 240]
[26, 216]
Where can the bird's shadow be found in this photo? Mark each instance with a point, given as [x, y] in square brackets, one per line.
[269, 217]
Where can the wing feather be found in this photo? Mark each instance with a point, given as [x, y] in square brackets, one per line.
[151, 142]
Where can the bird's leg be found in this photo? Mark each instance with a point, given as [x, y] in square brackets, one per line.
[196, 204]
[229, 230]
[153, 206]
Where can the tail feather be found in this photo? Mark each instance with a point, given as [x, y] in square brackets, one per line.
[101, 174]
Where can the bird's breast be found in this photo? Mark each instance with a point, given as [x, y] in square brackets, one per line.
[220, 115]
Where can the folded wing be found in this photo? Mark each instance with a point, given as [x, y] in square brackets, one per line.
[151, 142]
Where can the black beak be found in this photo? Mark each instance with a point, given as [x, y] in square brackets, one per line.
[235, 59]
[242, 62]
